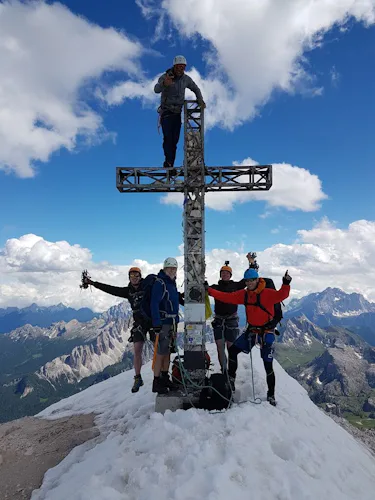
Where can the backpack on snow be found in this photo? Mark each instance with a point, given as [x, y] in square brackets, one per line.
[277, 317]
[147, 285]
[217, 393]
[176, 370]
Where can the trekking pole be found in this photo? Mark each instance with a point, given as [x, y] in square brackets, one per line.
[252, 374]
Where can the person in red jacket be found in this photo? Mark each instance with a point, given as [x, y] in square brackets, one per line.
[259, 302]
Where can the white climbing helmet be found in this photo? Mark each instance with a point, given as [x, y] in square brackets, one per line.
[179, 60]
[170, 262]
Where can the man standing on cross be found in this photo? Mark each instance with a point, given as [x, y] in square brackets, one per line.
[171, 85]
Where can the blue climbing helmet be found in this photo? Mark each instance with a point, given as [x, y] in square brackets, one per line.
[250, 273]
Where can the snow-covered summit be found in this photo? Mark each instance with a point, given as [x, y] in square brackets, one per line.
[291, 452]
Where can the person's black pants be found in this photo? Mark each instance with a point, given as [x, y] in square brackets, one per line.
[171, 126]
[266, 353]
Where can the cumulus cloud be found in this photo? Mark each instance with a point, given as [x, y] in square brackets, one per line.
[294, 188]
[50, 58]
[255, 48]
[32, 253]
[35, 270]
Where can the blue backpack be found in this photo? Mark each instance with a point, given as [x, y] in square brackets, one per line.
[147, 285]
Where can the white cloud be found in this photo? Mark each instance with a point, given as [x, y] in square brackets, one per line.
[255, 47]
[32, 253]
[49, 57]
[294, 188]
[143, 90]
[35, 270]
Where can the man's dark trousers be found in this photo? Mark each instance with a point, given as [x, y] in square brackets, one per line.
[171, 126]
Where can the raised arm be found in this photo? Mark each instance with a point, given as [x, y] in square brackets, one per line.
[160, 85]
[280, 295]
[228, 298]
[283, 293]
[112, 290]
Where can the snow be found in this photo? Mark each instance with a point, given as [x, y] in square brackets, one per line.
[291, 452]
[358, 355]
[307, 339]
[347, 314]
[318, 381]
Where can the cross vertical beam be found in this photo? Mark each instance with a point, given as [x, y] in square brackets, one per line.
[194, 192]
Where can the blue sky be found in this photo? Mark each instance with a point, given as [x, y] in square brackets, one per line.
[323, 123]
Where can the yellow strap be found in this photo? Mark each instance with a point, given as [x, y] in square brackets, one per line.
[208, 309]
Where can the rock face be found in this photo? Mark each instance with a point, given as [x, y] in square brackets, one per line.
[30, 446]
[299, 332]
[333, 307]
[322, 307]
[338, 376]
[111, 333]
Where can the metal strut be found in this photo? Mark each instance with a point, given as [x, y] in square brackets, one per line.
[194, 191]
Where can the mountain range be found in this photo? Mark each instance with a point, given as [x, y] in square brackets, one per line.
[326, 338]
[41, 365]
[13, 317]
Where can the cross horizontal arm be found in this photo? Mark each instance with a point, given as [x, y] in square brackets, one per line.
[233, 178]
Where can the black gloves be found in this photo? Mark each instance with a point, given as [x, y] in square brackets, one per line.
[286, 279]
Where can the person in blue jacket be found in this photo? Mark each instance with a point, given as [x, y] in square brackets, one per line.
[165, 300]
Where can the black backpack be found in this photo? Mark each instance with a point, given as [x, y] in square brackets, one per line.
[217, 394]
[147, 285]
[278, 316]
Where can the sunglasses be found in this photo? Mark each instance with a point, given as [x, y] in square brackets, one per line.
[134, 275]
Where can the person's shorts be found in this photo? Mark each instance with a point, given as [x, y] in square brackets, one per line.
[226, 328]
[139, 331]
[246, 342]
[165, 337]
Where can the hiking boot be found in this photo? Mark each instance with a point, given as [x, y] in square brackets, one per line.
[168, 382]
[271, 400]
[170, 167]
[138, 382]
[159, 386]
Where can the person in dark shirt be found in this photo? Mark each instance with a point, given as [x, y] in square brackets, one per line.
[133, 293]
[225, 322]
